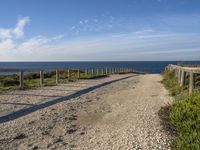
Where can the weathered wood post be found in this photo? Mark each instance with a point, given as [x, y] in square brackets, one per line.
[41, 77]
[92, 71]
[179, 76]
[102, 70]
[86, 71]
[97, 71]
[182, 78]
[106, 70]
[176, 73]
[21, 80]
[68, 75]
[57, 76]
[191, 83]
[78, 74]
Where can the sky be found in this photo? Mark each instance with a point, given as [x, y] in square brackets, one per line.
[99, 30]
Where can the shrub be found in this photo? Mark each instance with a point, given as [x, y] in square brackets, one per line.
[185, 115]
[171, 83]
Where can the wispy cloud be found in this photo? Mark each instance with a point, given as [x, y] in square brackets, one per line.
[17, 31]
[10, 48]
[145, 44]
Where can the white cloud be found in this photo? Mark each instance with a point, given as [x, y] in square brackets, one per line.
[11, 48]
[16, 32]
[144, 44]
[5, 33]
[19, 29]
[130, 46]
[58, 37]
[37, 43]
[6, 45]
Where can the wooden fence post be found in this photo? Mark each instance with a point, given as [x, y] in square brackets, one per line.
[57, 76]
[21, 80]
[86, 71]
[102, 70]
[97, 71]
[182, 78]
[41, 78]
[106, 71]
[179, 76]
[191, 83]
[69, 75]
[78, 74]
[92, 71]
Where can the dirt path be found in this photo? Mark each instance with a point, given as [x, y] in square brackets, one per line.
[121, 115]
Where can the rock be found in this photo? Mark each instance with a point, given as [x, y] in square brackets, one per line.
[82, 133]
[72, 130]
[19, 136]
[35, 148]
[57, 140]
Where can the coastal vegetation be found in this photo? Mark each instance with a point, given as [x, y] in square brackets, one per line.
[184, 114]
[32, 80]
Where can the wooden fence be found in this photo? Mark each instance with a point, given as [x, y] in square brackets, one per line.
[189, 73]
[86, 71]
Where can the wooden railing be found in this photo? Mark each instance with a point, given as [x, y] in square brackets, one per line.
[183, 73]
[93, 71]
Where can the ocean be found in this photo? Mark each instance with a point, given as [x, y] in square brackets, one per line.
[145, 66]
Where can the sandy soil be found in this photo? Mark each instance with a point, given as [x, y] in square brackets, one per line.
[120, 115]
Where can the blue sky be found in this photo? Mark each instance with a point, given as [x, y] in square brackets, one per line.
[82, 30]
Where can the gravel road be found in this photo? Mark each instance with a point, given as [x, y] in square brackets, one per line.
[121, 115]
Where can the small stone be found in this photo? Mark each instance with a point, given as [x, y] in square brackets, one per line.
[35, 148]
[82, 133]
[20, 136]
[58, 140]
[70, 131]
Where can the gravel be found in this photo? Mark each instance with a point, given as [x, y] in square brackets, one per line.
[121, 115]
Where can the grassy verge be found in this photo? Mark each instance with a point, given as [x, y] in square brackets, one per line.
[11, 82]
[184, 115]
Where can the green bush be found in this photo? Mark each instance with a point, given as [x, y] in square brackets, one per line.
[171, 83]
[185, 115]
[9, 80]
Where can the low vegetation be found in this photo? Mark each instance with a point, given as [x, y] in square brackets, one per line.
[184, 114]
[32, 80]
[171, 83]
